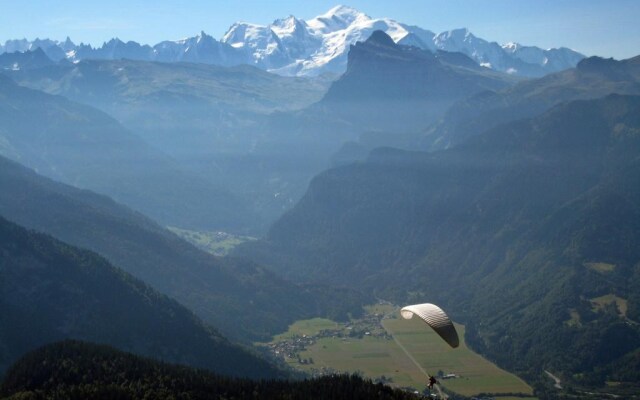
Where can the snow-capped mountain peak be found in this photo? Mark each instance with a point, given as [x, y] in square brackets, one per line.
[456, 38]
[511, 47]
[236, 35]
[290, 28]
[291, 46]
[338, 18]
[288, 25]
[344, 14]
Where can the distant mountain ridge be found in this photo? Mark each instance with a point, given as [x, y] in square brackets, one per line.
[85, 147]
[593, 77]
[199, 115]
[291, 46]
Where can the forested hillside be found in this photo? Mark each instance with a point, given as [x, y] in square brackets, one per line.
[529, 234]
[50, 291]
[238, 297]
[76, 370]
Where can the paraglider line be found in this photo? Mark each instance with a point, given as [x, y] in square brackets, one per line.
[395, 339]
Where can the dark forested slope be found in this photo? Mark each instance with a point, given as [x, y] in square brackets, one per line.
[238, 297]
[75, 370]
[51, 291]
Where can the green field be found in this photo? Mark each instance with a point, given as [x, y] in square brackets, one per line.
[217, 243]
[307, 327]
[603, 268]
[601, 302]
[476, 374]
[407, 358]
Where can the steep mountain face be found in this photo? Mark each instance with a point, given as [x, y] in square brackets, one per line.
[389, 86]
[55, 50]
[527, 233]
[84, 147]
[238, 297]
[50, 291]
[76, 370]
[199, 49]
[259, 44]
[388, 93]
[511, 58]
[116, 49]
[291, 46]
[24, 60]
[593, 77]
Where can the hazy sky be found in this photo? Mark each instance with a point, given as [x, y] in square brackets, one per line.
[609, 28]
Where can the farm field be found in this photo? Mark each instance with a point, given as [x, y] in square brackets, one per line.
[216, 243]
[399, 352]
[475, 373]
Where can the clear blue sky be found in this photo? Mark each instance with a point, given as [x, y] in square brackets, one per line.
[609, 28]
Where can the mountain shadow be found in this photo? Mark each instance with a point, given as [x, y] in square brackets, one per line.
[51, 291]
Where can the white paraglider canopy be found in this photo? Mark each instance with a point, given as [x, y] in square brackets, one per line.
[433, 316]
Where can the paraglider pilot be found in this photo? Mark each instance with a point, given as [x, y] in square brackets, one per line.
[432, 381]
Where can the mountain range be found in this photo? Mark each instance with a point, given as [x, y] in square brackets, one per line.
[527, 233]
[388, 91]
[593, 77]
[203, 118]
[82, 146]
[258, 136]
[291, 46]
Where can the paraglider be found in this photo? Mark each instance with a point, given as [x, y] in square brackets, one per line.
[432, 381]
[433, 316]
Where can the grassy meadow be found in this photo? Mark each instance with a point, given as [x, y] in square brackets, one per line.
[403, 352]
[216, 243]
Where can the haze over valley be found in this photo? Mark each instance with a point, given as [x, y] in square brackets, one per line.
[245, 216]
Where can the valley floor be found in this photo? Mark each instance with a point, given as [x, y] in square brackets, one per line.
[394, 351]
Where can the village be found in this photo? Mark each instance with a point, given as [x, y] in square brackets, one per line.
[290, 348]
